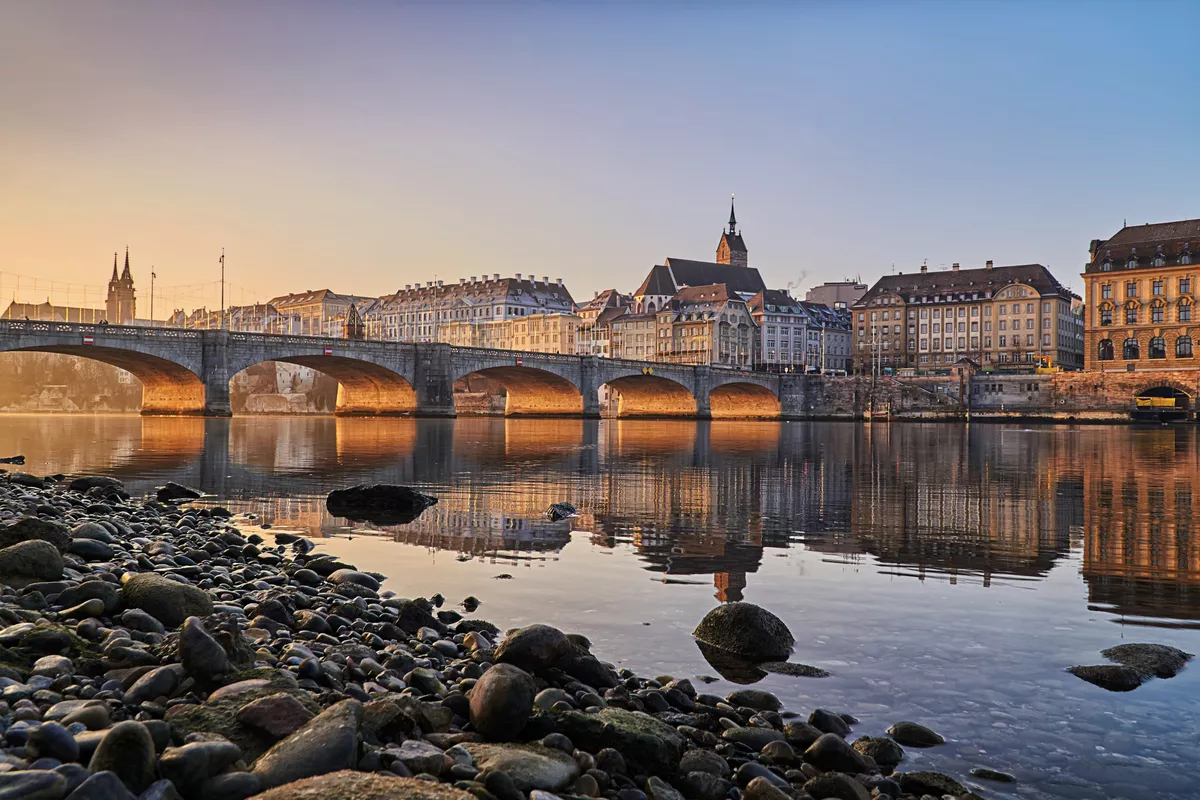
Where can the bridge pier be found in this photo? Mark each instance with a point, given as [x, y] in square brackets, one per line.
[589, 386]
[434, 381]
[701, 387]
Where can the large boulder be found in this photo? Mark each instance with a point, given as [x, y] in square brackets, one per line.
[911, 734]
[32, 529]
[501, 702]
[530, 766]
[1113, 677]
[327, 743]
[747, 631]
[1158, 660]
[648, 745]
[381, 503]
[168, 601]
[30, 562]
[363, 786]
[534, 648]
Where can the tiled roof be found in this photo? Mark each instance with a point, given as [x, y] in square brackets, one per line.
[676, 273]
[1142, 244]
[962, 284]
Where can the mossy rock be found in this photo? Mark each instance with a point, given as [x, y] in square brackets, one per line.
[648, 745]
[934, 783]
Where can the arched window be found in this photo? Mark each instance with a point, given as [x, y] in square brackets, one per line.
[1186, 258]
[1158, 347]
[1131, 263]
[1131, 350]
[1106, 265]
[1106, 350]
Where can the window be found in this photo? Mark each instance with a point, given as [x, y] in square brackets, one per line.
[1106, 266]
[1185, 312]
[1106, 350]
[1029, 308]
[1156, 286]
[1106, 316]
[1045, 308]
[1131, 288]
[987, 341]
[1045, 340]
[1029, 340]
[1156, 314]
[962, 342]
[1029, 324]
[1131, 351]
[1003, 310]
[1158, 347]
[1185, 259]
[1004, 341]
[924, 313]
[1185, 285]
[1183, 347]
[1045, 324]
[1158, 260]
[1106, 291]
[1003, 324]
[1131, 315]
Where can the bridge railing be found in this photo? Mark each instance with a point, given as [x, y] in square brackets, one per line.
[38, 326]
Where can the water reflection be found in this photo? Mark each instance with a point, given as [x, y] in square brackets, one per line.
[944, 502]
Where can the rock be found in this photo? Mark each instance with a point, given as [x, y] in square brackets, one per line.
[831, 753]
[202, 657]
[559, 511]
[82, 484]
[128, 751]
[658, 789]
[137, 620]
[230, 786]
[168, 601]
[160, 790]
[704, 786]
[94, 716]
[90, 550]
[101, 786]
[25, 479]
[1150, 659]
[793, 669]
[380, 503]
[172, 492]
[278, 715]
[30, 562]
[52, 666]
[747, 631]
[189, 766]
[108, 593]
[883, 752]
[992, 775]
[754, 738]
[801, 734]
[363, 786]
[33, 784]
[650, 746]
[780, 752]
[30, 529]
[698, 760]
[910, 734]
[421, 757]
[158, 682]
[1112, 677]
[534, 648]
[838, 786]
[763, 789]
[754, 698]
[829, 722]
[354, 576]
[327, 743]
[530, 766]
[933, 783]
[501, 702]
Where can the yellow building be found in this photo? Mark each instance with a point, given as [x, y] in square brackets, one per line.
[538, 333]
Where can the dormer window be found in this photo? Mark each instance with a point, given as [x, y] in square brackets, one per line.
[1131, 263]
[1159, 261]
[1185, 257]
[1107, 265]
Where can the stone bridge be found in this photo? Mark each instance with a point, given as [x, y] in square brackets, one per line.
[188, 372]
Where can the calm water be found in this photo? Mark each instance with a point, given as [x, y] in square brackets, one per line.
[944, 574]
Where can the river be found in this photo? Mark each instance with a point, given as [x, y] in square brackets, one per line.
[945, 574]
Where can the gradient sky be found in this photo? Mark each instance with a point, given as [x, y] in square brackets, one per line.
[365, 145]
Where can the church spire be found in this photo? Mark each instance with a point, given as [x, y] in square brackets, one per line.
[114, 277]
[732, 217]
[125, 276]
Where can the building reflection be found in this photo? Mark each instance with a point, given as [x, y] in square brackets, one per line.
[708, 502]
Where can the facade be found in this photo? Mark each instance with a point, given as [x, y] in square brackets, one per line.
[416, 313]
[321, 312]
[706, 325]
[1140, 290]
[828, 341]
[995, 316]
[120, 304]
[536, 333]
[798, 336]
[595, 331]
[836, 294]
[634, 336]
[254, 318]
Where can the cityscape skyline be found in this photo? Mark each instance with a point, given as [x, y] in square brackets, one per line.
[318, 152]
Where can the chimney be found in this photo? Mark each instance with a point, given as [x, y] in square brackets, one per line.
[955, 266]
[988, 265]
[518, 276]
[417, 285]
[462, 281]
[495, 276]
[924, 268]
[439, 284]
[559, 280]
[595, 294]
[546, 280]
[408, 287]
[472, 279]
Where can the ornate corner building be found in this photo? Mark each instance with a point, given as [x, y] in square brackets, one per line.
[1140, 287]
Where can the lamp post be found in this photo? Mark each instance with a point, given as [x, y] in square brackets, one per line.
[152, 277]
[222, 288]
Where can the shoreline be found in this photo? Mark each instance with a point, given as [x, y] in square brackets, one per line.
[154, 651]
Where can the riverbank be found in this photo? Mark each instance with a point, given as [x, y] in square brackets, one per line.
[156, 651]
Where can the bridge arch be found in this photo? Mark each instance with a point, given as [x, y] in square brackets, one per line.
[365, 388]
[528, 391]
[743, 400]
[168, 387]
[650, 395]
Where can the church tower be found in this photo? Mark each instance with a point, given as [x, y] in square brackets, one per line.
[120, 308]
[732, 249]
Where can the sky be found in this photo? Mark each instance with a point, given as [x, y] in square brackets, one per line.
[360, 146]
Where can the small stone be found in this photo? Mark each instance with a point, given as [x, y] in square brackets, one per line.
[1112, 677]
[754, 698]
[831, 753]
[764, 789]
[501, 702]
[933, 783]
[32, 785]
[534, 648]
[992, 775]
[658, 789]
[883, 752]
[829, 722]
[528, 766]
[277, 715]
[420, 756]
[52, 740]
[698, 760]
[101, 786]
[587, 786]
[1150, 659]
[837, 786]
[202, 657]
[754, 738]
[168, 601]
[190, 765]
[780, 752]
[366, 786]
[159, 682]
[30, 562]
[746, 630]
[910, 734]
[52, 666]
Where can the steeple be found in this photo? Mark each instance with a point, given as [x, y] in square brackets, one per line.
[732, 217]
[125, 276]
[114, 277]
[732, 248]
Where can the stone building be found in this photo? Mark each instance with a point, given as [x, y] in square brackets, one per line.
[995, 316]
[706, 325]
[416, 313]
[596, 316]
[797, 336]
[536, 333]
[320, 312]
[1140, 289]
[634, 336]
[252, 318]
[836, 294]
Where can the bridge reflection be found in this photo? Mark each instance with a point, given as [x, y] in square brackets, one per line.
[715, 500]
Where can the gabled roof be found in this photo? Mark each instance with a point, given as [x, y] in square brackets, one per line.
[609, 298]
[774, 300]
[677, 273]
[962, 284]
